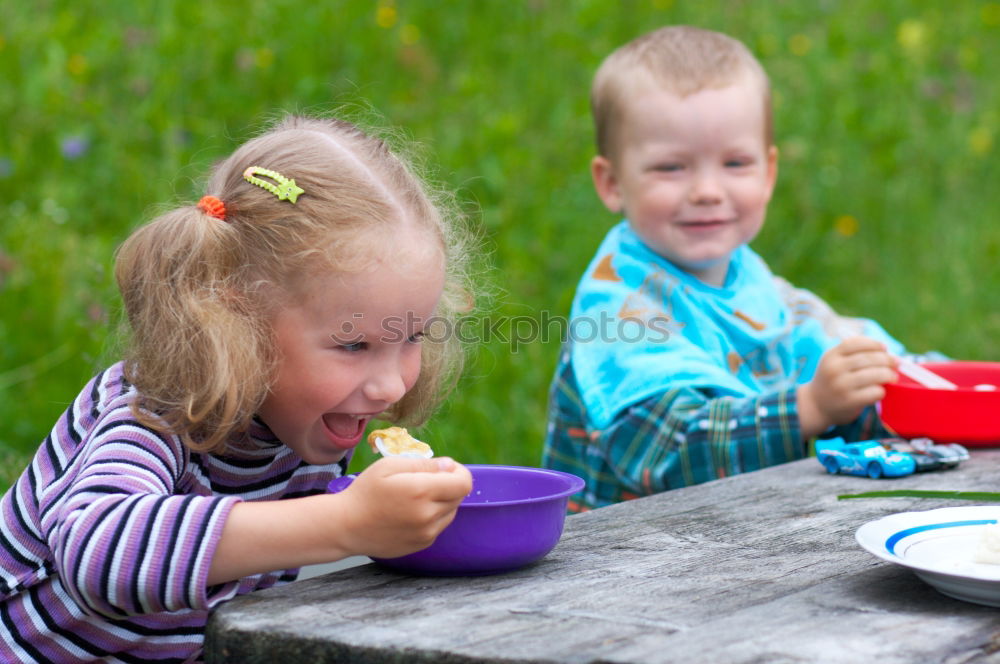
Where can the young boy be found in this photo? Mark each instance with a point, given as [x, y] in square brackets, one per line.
[687, 360]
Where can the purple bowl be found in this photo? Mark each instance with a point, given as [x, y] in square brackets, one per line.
[513, 517]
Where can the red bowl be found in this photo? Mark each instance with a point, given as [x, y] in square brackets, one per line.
[965, 415]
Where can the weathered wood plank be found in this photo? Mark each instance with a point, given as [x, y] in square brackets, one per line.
[761, 567]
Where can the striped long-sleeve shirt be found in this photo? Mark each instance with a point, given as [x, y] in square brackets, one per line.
[107, 538]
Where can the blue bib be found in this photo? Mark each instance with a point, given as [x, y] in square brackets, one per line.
[640, 325]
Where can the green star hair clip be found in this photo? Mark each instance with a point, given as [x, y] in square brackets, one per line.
[285, 190]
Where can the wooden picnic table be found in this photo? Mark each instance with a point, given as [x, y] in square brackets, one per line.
[761, 567]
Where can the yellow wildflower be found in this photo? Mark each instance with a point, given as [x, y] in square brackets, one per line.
[911, 34]
[385, 16]
[980, 140]
[77, 64]
[264, 58]
[846, 225]
[409, 34]
[991, 14]
[799, 44]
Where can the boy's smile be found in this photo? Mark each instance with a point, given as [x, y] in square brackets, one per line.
[692, 174]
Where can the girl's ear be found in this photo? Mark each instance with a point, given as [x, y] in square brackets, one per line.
[606, 183]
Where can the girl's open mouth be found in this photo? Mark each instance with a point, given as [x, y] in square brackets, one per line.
[344, 429]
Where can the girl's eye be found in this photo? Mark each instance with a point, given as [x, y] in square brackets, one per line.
[669, 167]
[354, 347]
[738, 163]
[416, 338]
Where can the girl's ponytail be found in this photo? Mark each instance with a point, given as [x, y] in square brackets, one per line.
[198, 354]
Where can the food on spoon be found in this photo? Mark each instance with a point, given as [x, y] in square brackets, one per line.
[397, 441]
[988, 550]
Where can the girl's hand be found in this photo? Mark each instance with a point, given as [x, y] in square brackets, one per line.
[399, 505]
[849, 377]
[396, 506]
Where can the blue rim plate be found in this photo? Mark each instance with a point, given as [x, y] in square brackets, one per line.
[938, 545]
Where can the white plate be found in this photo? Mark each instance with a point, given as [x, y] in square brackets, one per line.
[938, 545]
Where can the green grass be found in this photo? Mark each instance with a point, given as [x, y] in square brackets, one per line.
[887, 120]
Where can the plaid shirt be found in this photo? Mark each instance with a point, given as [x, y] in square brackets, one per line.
[674, 439]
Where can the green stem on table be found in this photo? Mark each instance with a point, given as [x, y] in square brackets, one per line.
[916, 493]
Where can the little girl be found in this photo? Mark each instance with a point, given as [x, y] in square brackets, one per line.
[269, 324]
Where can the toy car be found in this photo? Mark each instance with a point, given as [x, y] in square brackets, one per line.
[866, 457]
[927, 454]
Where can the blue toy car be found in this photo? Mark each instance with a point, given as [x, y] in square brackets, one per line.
[866, 457]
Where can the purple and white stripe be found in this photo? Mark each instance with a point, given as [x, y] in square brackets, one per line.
[106, 540]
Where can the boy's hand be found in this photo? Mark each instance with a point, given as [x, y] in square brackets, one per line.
[399, 505]
[849, 377]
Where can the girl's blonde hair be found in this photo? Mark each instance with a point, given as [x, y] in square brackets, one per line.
[679, 58]
[199, 292]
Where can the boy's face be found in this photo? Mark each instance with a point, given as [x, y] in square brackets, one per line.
[692, 174]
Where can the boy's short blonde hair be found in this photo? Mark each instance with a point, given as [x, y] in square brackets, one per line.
[200, 293]
[682, 60]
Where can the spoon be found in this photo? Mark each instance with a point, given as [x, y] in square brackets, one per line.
[406, 446]
[924, 376]
[396, 441]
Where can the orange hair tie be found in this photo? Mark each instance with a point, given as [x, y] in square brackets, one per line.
[213, 207]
